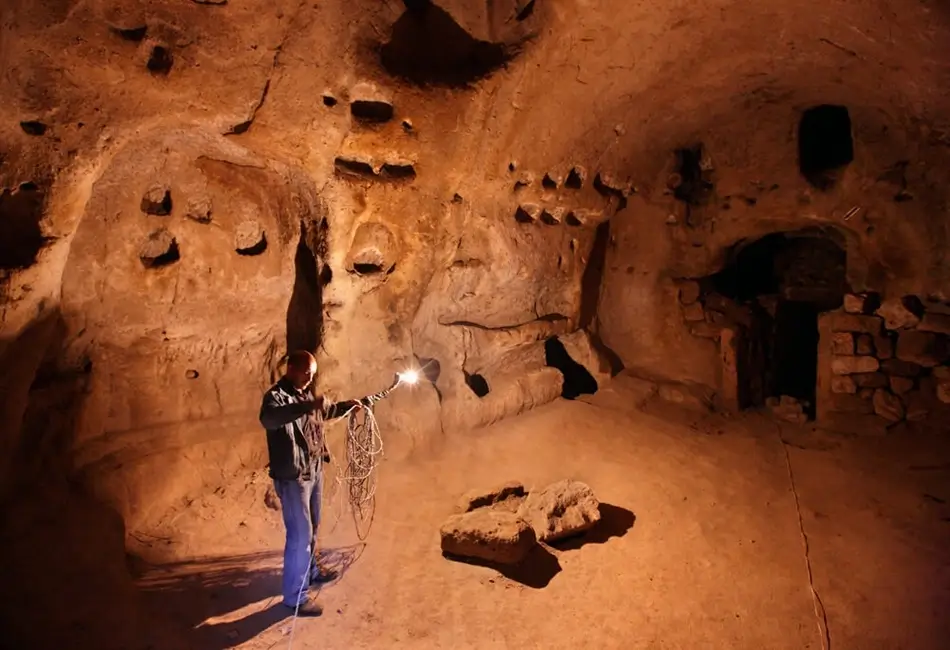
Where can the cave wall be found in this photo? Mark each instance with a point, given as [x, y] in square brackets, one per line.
[430, 179]
[889, 213]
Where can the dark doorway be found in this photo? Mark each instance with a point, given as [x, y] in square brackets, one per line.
[577, 380]
[784, 280]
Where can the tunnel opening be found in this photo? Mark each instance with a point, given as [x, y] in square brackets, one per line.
[825, 144]
[305, 311]
[21, 237]
[577, 379]
[429, 48]
[477, 383]
[371, 111]
[777, 286]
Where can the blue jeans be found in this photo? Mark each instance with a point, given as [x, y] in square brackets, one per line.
[300, 505]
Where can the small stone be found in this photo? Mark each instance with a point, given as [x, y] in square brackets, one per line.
[870, 380]
[939, 323]
[923, 348]
[689, 292]
[854, 323]
[900, 313]
[901, 385]
[249, 238]
[887, 405]
[159, 249]
[561, 510]
[883, 347]
[694, 313]
[157, 200]
[900, 368]
[198, 209]
[854, 303]
[488, 534]
[943, 392]
[842, 343]
[789, 409]
[843, 384]
[864, 344]
[843, 365]
[480, 498]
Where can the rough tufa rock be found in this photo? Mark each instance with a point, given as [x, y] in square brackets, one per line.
[561, 510]
[864, 344]
[900, 368]
[900, 313]
[923, 348]
[473, 499]
[883, 347]
[887, 405]
[787, 408]
[694, 313]
[842, 343]
[856, 303]
[843, 365]
[854, 323]
[159, 249]
[938, 323]
[901, 385]
[943, 392]
[844, 384]
[488, 534]
[199, 209]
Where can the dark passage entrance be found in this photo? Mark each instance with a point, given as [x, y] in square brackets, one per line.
[786, 280]
[577, 380]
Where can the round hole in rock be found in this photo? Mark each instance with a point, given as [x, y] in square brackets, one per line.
[825, 144]
[477, 383]
[33, 127]
[191, 374]
[329, 101]
[160, 60]
[367, 268]
[369, 110]
[326, 275]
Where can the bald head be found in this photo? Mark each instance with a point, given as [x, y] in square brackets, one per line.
[301, 368]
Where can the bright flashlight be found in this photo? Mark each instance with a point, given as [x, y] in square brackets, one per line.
[409, 377]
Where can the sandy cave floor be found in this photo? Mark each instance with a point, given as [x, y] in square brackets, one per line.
[701, 546]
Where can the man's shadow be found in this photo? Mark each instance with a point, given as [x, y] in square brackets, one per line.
[227, 601]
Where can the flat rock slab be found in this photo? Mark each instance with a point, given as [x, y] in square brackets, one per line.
[512, 490]
[561, 510]
[488, 534]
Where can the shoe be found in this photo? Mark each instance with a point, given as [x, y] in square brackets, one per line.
[309, 607]
[321, 574]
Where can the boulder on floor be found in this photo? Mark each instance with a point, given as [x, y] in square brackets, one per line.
[561, 510]
[510, 491]
[488, 534]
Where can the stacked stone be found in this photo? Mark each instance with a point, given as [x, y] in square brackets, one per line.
[707, 315]
[890, 358]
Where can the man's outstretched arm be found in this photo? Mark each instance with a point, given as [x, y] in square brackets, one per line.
[340, 409]
[275, 415]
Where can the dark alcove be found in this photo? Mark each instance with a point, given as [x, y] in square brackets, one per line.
[785, 280]
[577, 380]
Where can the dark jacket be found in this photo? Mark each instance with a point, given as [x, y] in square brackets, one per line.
[295, 437]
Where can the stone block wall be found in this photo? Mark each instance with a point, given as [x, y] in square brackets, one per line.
[881, 363]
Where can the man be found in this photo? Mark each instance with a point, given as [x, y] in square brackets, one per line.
[297, 450]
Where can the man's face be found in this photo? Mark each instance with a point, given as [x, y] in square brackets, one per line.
[302, 376]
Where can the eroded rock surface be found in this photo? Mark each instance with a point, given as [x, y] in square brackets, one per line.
[488, 534]
[561, 510]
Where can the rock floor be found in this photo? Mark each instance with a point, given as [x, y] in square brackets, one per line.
[701, 547]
